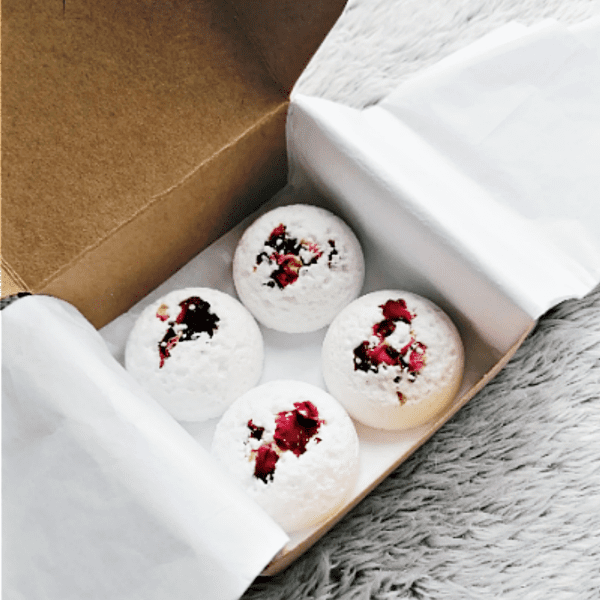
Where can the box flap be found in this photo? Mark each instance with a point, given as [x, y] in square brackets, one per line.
[157, 125]
[288, 32]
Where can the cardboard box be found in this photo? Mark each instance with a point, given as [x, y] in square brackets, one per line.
[135, 133]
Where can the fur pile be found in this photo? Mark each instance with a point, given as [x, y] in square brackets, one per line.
[504, 501]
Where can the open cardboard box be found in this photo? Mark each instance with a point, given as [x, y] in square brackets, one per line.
[122, 166]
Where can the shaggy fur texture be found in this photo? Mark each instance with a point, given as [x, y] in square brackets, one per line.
[504, 501]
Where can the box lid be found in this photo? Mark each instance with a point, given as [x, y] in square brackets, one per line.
[135, 133]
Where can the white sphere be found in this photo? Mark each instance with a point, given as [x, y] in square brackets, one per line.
[298, 461]
[393, 359]
[296, 267]
[195, 350]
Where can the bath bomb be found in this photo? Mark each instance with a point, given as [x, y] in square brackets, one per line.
[195, 350]
[296, 267]
[393, 359]
[292, 448]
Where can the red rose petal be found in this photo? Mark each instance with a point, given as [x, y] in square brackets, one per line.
[289, 265]
[307, 412]
[384, 328]
[405, 349]
[164, 351]
[397, 311]
[313, 248]
[416, 360]
[195, 315]
[382, 353]
[266, 458]
[256, 432]
[295, 428]
[278, 231]
[293, 431]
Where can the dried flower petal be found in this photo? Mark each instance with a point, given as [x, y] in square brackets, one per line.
[287, 256]
[165, 346]
[193, 318]
[295, 428]
[406, 348]
[162, 313]
[256, 432]
[397, 311]
[416, 360]
[264, 467]
[277, 232]
[382, 353]
[384, 328]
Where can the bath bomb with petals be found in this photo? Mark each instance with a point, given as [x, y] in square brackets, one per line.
[195, 350]
[292, 448]
[393, 359]
[296, 267]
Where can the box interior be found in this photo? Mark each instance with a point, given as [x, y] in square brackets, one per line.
[298, 356]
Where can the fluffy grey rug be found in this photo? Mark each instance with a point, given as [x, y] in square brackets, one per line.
[504, 501]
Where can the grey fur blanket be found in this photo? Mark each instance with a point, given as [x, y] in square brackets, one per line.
[504, 501]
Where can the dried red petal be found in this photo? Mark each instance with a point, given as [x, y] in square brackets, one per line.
[290, 261]
[289, 266]
[296, 427]
[405, 349]
[256, 432]
[164, 351]
[289, 435]
[278, 231]
[195, 314]
[287, 255]
[162, 313]
[384, 328]
[361, 357]
[307, 412]
[416, 360]
[264, 467]
[285, 278]
[382, 353]
[313, 247]
[397, 310]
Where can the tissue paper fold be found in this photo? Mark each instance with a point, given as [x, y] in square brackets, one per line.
[104, 494]
[484, 166]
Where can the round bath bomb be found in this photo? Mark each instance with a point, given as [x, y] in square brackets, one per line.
[292, 448]
[296, 267]
[195, 350]
[393, 359]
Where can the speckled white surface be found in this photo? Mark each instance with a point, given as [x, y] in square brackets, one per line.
[202, 376]
[304, 489]
[333, 278]
[371, 395]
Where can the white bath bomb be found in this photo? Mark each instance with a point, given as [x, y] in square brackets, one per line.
[195, 350]
[296, 267]
[393, 359]
[292, 448]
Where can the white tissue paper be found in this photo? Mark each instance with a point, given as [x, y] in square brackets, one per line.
[482, 173]
[104, 494]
